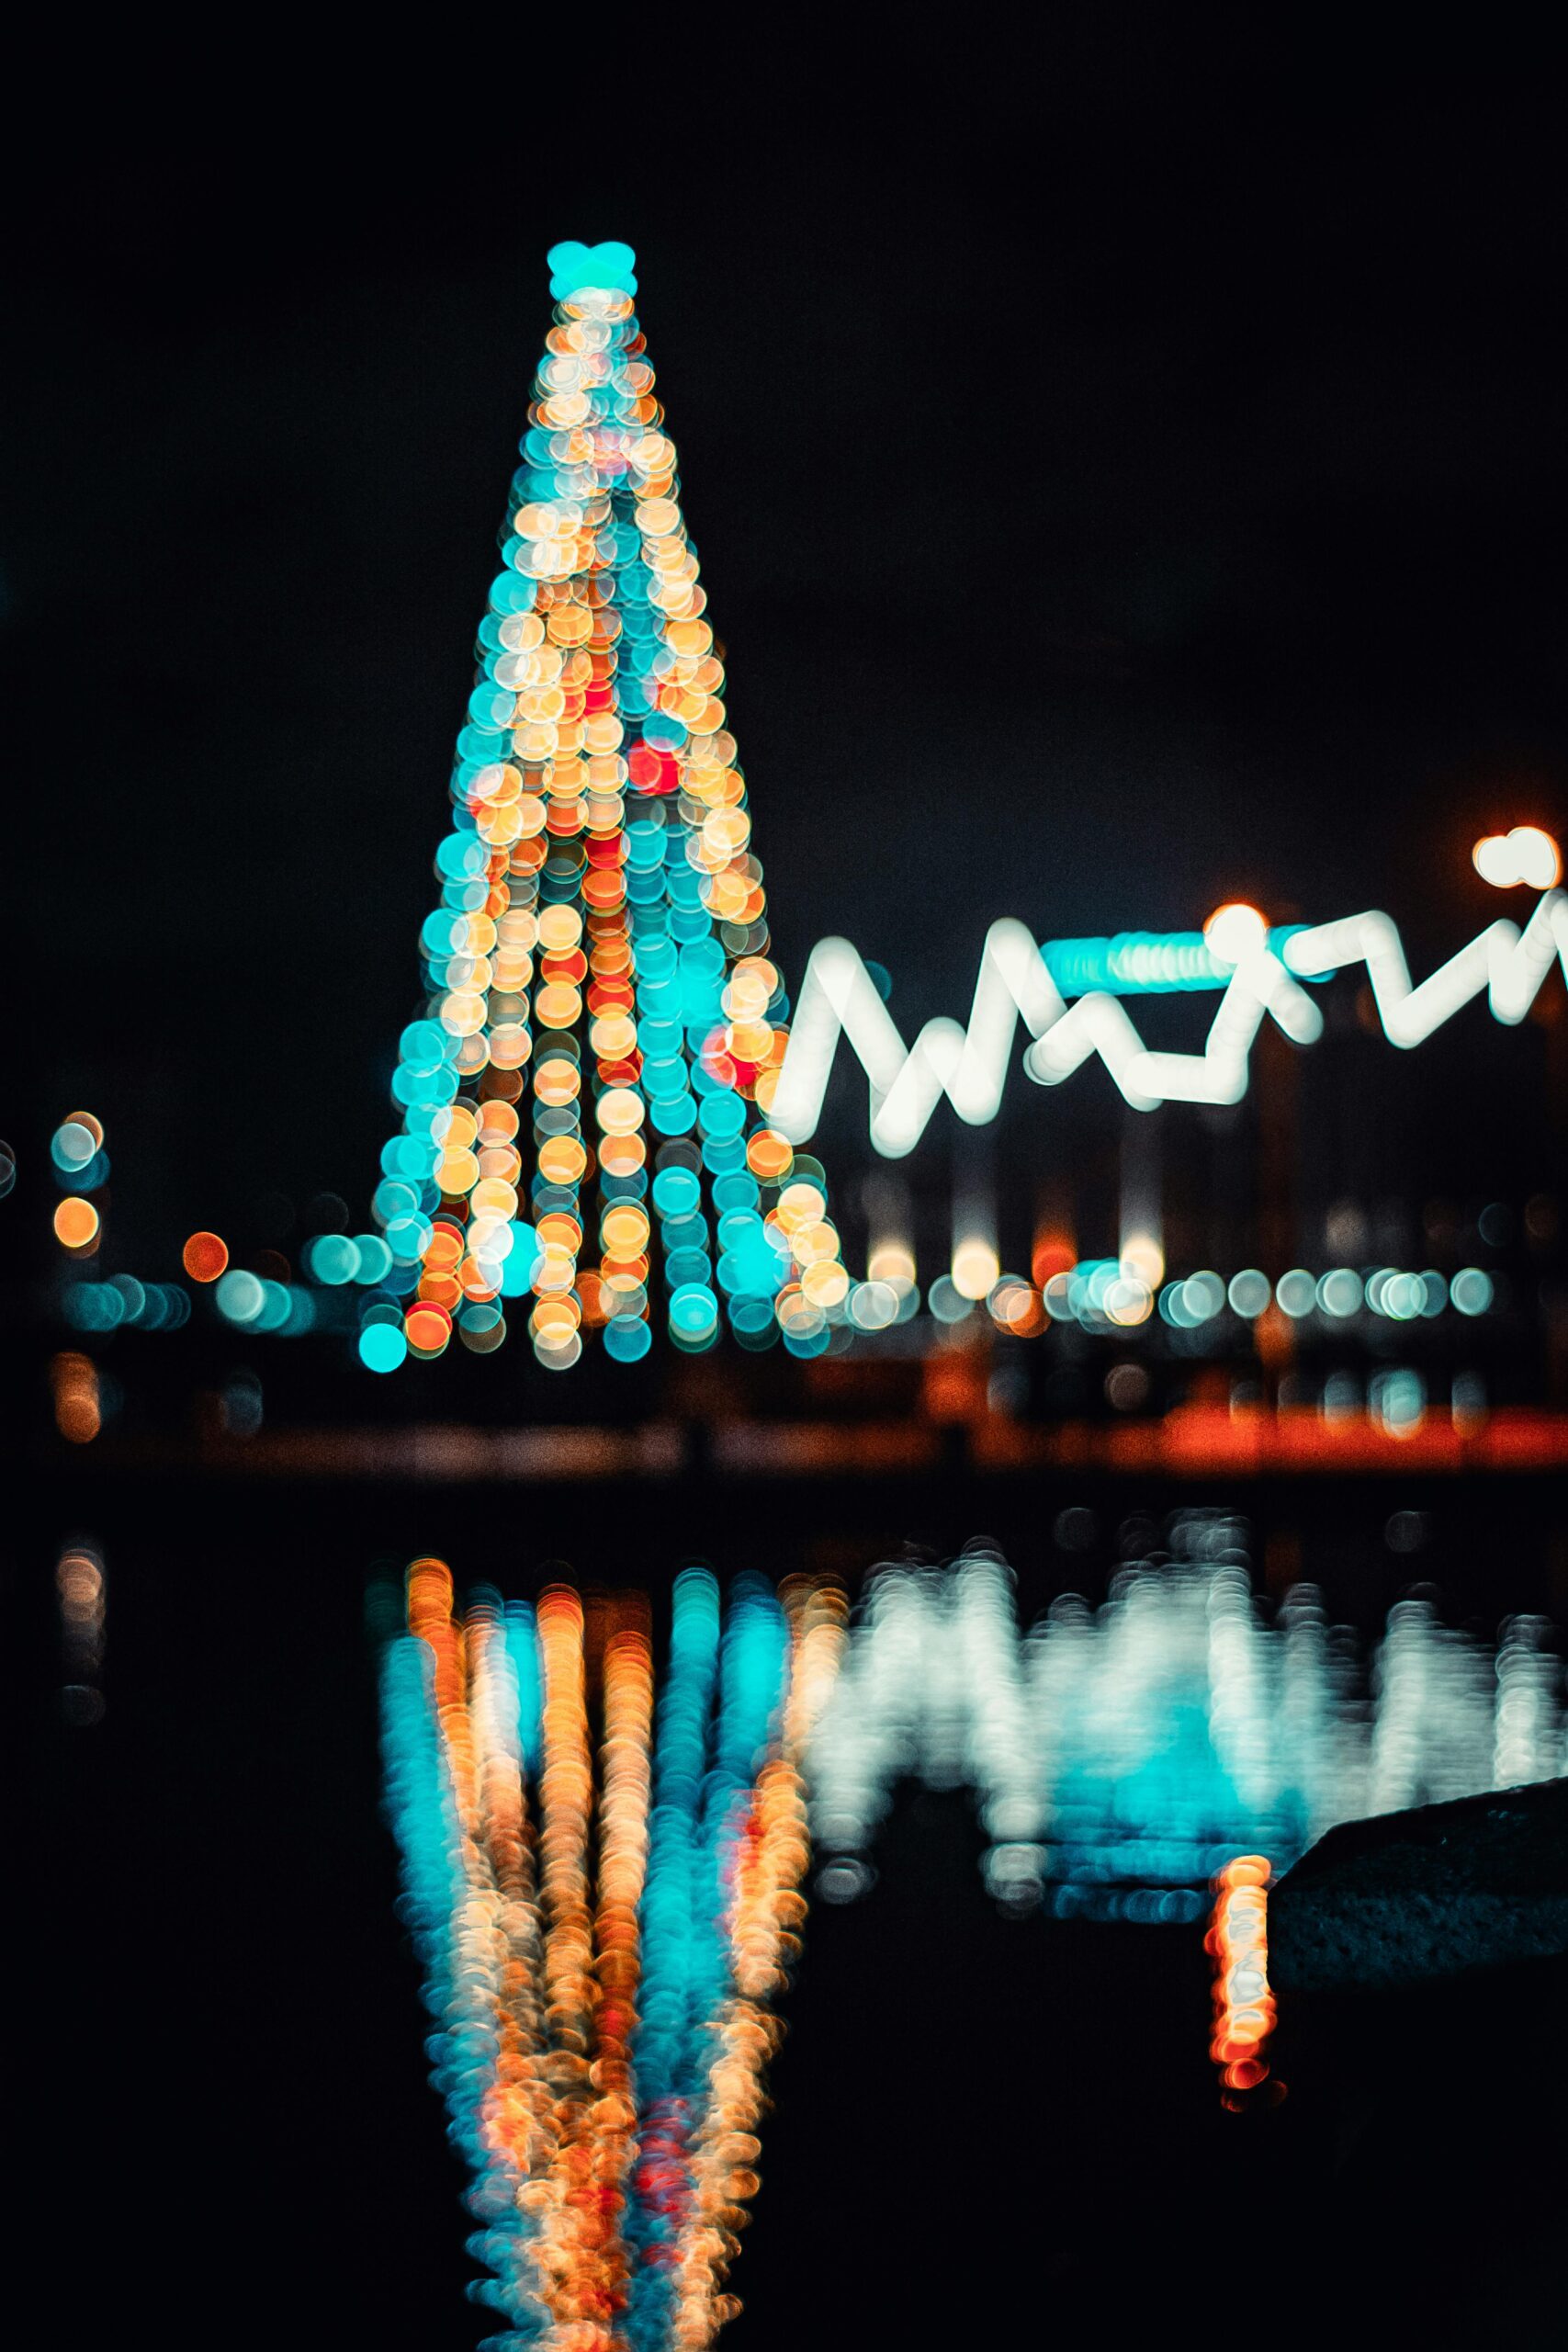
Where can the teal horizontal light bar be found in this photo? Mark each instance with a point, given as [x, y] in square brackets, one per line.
[1142, 963]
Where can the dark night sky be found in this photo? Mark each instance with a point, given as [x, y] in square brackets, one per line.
[1143, 491]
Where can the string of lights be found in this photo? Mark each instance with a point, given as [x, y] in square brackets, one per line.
[1259, 971]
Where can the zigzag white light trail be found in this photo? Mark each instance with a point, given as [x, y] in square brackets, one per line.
[1507, 964]
[1098, 1024]
[840, 999]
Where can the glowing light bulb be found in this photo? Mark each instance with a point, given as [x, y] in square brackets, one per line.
[1523, 858]
[893, 1261]
[976, 1269]
[1234, 931]
[1143, 1259]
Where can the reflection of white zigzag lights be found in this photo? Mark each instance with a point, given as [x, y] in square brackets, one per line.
[838, 996]
[1149, 1741]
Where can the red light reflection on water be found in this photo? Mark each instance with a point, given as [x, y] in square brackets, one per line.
[1237, 1942]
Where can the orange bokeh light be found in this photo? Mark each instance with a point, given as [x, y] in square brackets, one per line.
[77, 1410]
[1055, 1252]
[1243, 2003]
[427, 1328]
[205, 1257]
[769, 1157]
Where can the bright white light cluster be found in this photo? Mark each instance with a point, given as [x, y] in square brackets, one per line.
[1524, 855]
[838, 999]
[1147, 1742]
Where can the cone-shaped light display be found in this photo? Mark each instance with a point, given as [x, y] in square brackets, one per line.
[585, 1144]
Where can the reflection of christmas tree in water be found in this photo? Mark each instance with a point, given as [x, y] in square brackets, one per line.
[602, 1009]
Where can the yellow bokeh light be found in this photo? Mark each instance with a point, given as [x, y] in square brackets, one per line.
[503, 1160]
[557, 1274]
[558, 1004]
[1143, 1259]
[815, 1242]
[613, 1036]
[458, 1171]
[892, 1261]
[624, 1230]
[562, 1159]
[558, 1082]
[620, 1111]
[494, 1197]
[561, 928]
[555, 1321]
[825, 1283]
[975, 1267]
[799, 1204]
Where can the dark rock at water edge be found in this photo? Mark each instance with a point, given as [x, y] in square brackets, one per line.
[1438, 1892]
